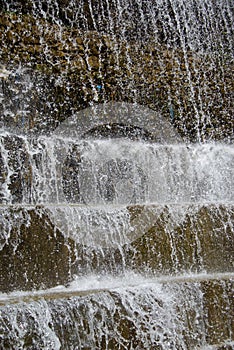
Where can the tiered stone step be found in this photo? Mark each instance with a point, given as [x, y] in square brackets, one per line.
[186, 312]
[186, 301]
[37, 251]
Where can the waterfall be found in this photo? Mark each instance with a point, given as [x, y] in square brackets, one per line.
[116, 174]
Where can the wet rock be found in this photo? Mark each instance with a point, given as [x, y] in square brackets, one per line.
[163, 241]
[170, 245]
[34, 254]
[93, 62]
[202, 239]
[217, 319]
[15, 171]
[119, 120]
[206, 323]
[72, 62]
[149, 317]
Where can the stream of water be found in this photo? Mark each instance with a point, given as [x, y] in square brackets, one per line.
[87, 189]
[116, 231]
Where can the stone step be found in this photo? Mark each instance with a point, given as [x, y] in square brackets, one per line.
[112, 171]
[178, 313]
[38, 251]
[183, 237]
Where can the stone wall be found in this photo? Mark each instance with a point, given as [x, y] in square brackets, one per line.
[70, 69]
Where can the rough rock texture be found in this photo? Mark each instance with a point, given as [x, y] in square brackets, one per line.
[189, 314]
[69, 69]
[15, 171]
[34, 254]
[202, 240]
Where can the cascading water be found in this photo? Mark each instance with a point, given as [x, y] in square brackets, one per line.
[116, 229]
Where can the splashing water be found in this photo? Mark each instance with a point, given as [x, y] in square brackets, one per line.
[173, 56]
[116, 171]
[116, 232]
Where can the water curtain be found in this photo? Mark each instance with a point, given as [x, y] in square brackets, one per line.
[116, 173]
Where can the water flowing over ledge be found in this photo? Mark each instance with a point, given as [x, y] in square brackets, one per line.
[92, 284]
[96, 172]
[172, 314]
[116, 175]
